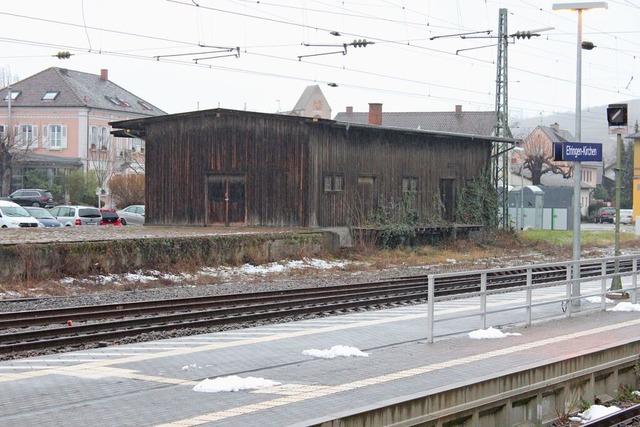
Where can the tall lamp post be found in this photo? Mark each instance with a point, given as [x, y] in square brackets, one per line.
[577, 188]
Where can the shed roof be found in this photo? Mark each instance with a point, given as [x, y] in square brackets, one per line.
[77, 89]
[135, 127]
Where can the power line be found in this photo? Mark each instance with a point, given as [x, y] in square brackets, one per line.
[412, 48]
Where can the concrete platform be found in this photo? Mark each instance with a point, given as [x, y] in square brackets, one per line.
[151, 384]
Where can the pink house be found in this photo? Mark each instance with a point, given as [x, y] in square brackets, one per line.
[57, 120]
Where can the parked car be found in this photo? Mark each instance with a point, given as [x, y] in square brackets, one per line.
[13, 216]
[43, 216]
[626, 216]
[71, 215]
[32, 197]
[110, 217]
[133, 214]
[606, 214]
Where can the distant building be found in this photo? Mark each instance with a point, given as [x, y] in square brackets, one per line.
[57, 121]
[457, 121]
[312, 103]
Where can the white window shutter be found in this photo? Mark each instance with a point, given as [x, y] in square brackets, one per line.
[45, 136]
[63, 143]
[34, 142]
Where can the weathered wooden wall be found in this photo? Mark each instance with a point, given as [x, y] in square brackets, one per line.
[268, 152]
[227, 166]
[387, 156]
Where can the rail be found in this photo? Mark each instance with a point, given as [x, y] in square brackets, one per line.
[547, 291]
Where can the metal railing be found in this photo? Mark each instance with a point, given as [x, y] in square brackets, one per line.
[533, 292]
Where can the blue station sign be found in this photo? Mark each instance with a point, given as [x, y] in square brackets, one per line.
[577, 152]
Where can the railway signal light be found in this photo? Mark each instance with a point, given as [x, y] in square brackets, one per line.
[617, 114]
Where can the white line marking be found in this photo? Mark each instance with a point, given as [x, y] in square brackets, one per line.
[303, 393]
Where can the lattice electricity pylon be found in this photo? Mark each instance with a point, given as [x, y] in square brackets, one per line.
[500, 150]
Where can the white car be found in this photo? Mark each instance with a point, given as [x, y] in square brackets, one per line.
[626, 216]
[12, 215]
[133, 214]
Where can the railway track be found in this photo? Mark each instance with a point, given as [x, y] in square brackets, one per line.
[97, 325]
[625, 417]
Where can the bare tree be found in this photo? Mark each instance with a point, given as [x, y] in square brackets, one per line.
[6, 77]
[15, 143]
[127, 189]
[539, 159]
[100, 158]
[8, 141]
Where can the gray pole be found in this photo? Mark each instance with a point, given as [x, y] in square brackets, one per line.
[616, 282]
[575, 287]
[522, 195]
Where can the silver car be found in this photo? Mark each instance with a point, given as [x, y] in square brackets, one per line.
[76, 215]
[133, 214]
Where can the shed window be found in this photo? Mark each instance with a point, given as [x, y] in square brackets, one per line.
[409, 185]
[333, 183]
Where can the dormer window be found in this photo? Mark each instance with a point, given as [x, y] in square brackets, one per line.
[145, 106]
[122, 102]
[50, 96]
[14, 95]
[112, 100]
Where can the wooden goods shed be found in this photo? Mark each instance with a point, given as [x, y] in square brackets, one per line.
[226, 166]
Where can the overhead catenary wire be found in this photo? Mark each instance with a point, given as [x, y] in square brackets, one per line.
[414, 47]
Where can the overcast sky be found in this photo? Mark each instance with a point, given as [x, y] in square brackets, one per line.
[158, 50]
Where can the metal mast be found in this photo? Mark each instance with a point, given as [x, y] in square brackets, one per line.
[500, 150]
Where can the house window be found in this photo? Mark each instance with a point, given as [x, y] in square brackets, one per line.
[333, 182]
[93, 138]
[50, 96]
[54, 137]
[27, 136]
[2, 132]
[104, 137]
[136, 145]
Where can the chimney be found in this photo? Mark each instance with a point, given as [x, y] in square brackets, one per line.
[375, 114]
[349, 111]
[104, 74]
[555, 126]
[458, 109]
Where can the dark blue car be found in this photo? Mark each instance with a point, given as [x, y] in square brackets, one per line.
[44, 216]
